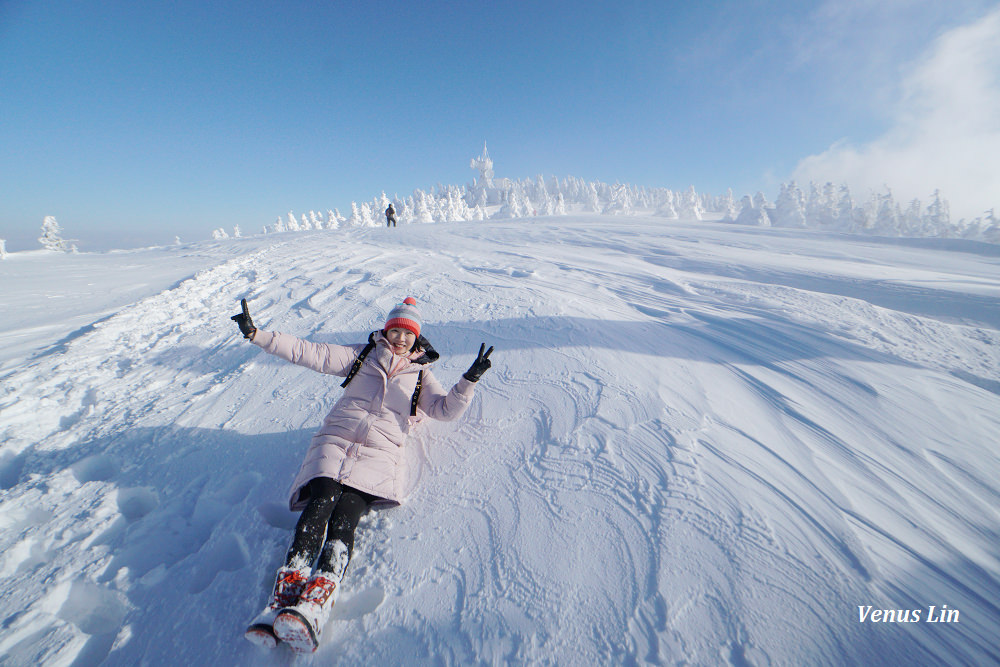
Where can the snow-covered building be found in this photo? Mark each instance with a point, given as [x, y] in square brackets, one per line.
[486, 190]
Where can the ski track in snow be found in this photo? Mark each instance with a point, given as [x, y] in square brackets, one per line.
[698, 444]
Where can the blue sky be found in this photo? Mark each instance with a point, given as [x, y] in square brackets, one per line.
[135, 122]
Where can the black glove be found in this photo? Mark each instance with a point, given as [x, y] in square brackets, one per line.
[480, 365]
[244, 322]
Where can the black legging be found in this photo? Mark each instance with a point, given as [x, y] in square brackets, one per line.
[333, 511]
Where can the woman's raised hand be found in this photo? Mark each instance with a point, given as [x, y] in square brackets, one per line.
[244, 322]
[480, 365]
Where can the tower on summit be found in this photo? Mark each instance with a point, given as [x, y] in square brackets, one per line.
[485, 166]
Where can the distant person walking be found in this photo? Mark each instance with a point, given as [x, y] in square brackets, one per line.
[390, 216]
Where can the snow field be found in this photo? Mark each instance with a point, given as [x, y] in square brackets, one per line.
[698, 443]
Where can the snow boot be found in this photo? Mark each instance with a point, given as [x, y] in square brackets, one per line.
[288, 586]
[301, 625]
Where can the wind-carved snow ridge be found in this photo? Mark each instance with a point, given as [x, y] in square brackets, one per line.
[699, 443]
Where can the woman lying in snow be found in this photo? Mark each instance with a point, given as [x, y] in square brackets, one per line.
[355, 460]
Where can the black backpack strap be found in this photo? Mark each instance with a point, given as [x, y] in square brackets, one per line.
[416, 394]
[357, 362]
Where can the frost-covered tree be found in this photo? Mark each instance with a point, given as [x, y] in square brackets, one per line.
[991, 227]
[3, 249]
[821, 206]
[753, 211]
[690, 206]
[845, 209]
[589, 198]
[293, 224]
[969, 229]
[548, 207]
[560, 207]
[459, 204]
[514, 205]
[727, 206]
[479, 197]
[667, 209]
[887, 217]
[219, 234]
[620, 202]
[51, 238]
[356, 219]
[382, 203]
[237, 233]
[423, 207]
[332, 219]
[789, 208]
[938, 218]
[909, 222]
[734, 213]
[863, 217]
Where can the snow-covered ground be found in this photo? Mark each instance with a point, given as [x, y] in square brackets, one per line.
[699, 444]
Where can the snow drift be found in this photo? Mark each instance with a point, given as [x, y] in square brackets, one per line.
[700, 443]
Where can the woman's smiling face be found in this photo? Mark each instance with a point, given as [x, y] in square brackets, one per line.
[400, 340]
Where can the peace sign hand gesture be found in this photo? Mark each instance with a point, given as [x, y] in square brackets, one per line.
[480, 365]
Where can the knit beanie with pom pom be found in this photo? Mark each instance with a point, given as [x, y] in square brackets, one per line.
[404, 316]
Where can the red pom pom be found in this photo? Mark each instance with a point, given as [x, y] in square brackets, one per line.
[410, 301]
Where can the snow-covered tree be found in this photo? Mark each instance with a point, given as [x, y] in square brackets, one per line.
[991, 227]
[753, 211]
[219, 234]
[938, 218]
[821, 206]
[357, 218]
[825, 207]
[667, 208]
[423, 207]
[516, 204]
[354, 219]
[560, 207]
[845, 209]
[3, 249]
[51, 238]
[690, 206]
[862, 218]
[332, 220]
[237, 233]
[789, 209]
[887, 215]
[621, 201]
[909, 222]
[451, 207]
[477, 213]
[382, 203]
[727, 206]
[590, 199]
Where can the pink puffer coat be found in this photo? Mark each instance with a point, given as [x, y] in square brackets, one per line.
[360, 442]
